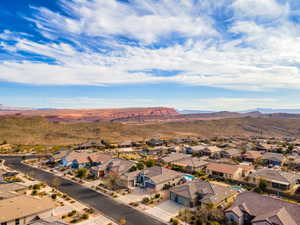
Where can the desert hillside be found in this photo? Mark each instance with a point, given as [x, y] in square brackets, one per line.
[90, 114]
[38, 130]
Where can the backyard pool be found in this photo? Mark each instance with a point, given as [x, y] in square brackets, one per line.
[189, 177]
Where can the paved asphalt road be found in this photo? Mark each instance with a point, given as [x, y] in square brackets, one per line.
[85, 195]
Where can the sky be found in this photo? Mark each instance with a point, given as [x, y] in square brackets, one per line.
[188, 54]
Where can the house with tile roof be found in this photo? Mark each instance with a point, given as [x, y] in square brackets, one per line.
[230, 153]
[225, 171]
[211, 151]
[273, 159]
[9, 190]
[252, 156]
[174, 157]
[199, 193]
[23, 209]
[275, 179]
[157, 178]
[85, 159]
[191, 164]
[113, 167]
[255, 209]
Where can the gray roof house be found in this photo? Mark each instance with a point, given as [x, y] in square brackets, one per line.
[230, 153]
[276, 179]
[199, 192]
[174, 157]
[256, 209]
[158, 178]
[191, 164]
[271, 158]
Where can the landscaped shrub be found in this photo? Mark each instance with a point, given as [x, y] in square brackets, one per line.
[146, 200]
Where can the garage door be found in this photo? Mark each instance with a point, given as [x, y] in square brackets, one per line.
[149, 185]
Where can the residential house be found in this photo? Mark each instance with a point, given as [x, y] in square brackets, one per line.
[155, 142]
[85, 159]
[90, 144]
[294, 163]
[23, 209]
[173, 157]
[198, 149]
[114, 167]
[9, 190]
[47, 221]
[157, 178]
[255, 209]
[159, 150]
[198, 193]
[225, 171]
[275, 179]
[273, 159]
[247, 169]
[191, 164]
[230, 153]
[252, 156]
[125, 144]
[175, 149]
[58, 156]
[211, 151]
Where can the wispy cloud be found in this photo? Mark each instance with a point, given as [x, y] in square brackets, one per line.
[256, 47]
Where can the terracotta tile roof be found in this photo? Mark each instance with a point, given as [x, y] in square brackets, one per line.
[223, 168]
[99, 157]
[253, 155]
[173, 157]
[192, 162]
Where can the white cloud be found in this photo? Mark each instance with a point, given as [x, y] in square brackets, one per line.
[266, 56]
[145, 20]
[267, 9]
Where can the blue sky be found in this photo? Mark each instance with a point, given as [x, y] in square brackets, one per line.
[187, 54]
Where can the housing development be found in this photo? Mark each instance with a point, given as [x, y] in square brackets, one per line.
[149, 112]
[226, 180]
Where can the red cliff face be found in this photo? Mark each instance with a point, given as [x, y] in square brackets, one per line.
[94, 114]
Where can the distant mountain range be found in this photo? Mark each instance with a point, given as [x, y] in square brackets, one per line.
[261, 110]
[193, 111]
[270, 110]
[12, 108]
[142, 115]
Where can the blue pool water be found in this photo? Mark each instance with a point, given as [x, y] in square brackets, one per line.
[237, 188]
[189, 177]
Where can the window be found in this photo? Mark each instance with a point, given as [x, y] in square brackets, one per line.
[17, 221]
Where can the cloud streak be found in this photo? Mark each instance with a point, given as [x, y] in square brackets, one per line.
[253, 45]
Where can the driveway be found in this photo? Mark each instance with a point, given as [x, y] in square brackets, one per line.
[96, 221]
[104, 204]
[165, 210]
[135, 196]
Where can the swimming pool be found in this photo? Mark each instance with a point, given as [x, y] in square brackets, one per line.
[236, 187]
[189, 177]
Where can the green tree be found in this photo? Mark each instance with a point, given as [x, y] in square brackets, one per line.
[262, 184]
[133, 168]
[140, 165]
[149, 163]
[81, 173]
